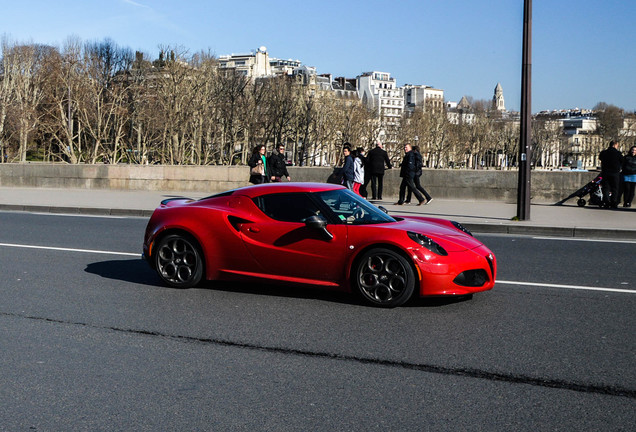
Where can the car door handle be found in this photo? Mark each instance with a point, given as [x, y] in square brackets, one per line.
[254, 229]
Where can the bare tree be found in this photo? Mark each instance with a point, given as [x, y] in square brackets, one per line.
[232, 100]
[101, 99]
[506, 135]
[549, 147]
[432, 131]
[281, 108]
[610, 120]
[7, 94]
[22, 69]
[355, 120]
[325, 140]
[176, 94]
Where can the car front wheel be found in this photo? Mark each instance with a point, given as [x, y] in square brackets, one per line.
[384, 278]
[178, 261]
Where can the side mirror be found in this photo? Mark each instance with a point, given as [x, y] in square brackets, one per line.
[316, 222]
[319, 223]
[383, 209]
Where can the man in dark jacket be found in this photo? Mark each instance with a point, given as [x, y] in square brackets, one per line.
[407, 172]
[348, 170]
[611, 162]
[277, 165]
[376, 160]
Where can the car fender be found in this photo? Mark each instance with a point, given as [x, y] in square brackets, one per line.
[212, 230]
[360, 245]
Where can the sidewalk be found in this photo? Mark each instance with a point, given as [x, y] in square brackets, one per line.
[567, 220]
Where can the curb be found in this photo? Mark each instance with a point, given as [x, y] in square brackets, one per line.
[571, 232]
[93, 211]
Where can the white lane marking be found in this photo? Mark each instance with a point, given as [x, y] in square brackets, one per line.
[70, 249]
[574, 287]
[579, 239]
[585, 240]
[73, 214]
[503, 282]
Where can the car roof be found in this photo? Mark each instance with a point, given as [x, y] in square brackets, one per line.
[288, 187]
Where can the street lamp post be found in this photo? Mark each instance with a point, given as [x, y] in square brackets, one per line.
[525, 143]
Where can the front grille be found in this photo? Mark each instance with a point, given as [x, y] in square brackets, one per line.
[471, 278]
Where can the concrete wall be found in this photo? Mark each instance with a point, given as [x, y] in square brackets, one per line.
[456, 184]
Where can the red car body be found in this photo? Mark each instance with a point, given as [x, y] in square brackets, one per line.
[242, 235]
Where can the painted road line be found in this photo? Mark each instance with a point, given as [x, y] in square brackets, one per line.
[70, 249]
[574, 287]
[585, 240]
[578, 239]
[501, 282]
[84, 215]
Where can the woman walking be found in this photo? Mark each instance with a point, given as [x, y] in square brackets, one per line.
[358, 170]
[258, 165]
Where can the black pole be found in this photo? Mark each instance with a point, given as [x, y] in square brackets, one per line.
[525, 143]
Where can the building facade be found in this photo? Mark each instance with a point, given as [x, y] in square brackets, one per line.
[253, 65]
[378, 91]
[422, 96]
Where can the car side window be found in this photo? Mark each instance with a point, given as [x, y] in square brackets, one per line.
[287, 207]
[351, 209]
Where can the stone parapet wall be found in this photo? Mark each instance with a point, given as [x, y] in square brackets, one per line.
[547, 186]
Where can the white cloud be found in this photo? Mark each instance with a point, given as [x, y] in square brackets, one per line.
[131, 2]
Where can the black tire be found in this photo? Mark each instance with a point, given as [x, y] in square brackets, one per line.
[384, 278]
[581, 202]
[179, 261]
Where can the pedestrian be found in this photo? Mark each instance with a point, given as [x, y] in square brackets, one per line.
[363, 158]
[376, 161]
[419, 162]
[629, 176]
[358, 170]
[258, 165]
[407, 172]
[348, 170]
[611, 162]
[278, 165]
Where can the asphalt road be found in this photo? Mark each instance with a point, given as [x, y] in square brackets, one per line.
[91, 340]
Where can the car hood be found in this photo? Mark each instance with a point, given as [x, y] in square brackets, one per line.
[450, 237]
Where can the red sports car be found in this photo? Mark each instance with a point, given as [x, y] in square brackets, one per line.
[316, 234]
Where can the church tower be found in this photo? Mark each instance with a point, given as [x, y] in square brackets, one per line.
[498, 99]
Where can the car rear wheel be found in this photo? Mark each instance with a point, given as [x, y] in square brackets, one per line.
[384, 278]
[178, 261]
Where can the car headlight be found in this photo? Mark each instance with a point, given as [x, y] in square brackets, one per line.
[427, 242]
[461, 228]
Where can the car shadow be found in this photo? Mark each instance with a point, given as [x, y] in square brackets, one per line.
[133, 270]
[432, 302]
[137, 271]
[286, 291]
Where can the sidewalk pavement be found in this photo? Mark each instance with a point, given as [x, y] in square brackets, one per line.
[567, 220]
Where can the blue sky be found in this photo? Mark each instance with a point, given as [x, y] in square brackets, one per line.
[583, 51]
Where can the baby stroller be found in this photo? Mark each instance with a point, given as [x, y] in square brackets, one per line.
[593, 188]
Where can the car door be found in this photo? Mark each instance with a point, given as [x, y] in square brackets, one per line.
[287, 249]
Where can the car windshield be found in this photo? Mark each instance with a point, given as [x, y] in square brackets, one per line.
[353, 209]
